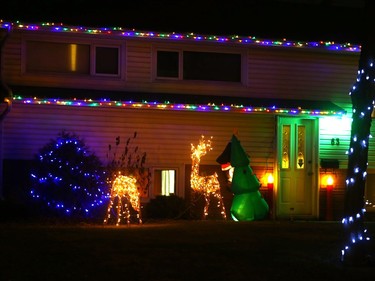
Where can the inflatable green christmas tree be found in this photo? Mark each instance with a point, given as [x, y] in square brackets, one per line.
[248, 203]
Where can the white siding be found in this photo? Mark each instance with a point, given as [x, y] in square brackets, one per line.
[271, 71]
[165, 135]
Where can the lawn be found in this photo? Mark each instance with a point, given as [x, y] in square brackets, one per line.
[177, 250]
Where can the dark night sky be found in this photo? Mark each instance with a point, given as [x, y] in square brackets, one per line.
[305, 20]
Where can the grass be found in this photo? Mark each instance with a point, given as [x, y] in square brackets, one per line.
[177, 250]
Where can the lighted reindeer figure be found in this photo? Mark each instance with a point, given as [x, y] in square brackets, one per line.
[206, 185]
[124, 188]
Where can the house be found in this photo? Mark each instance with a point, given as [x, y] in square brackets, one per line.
[288, 100]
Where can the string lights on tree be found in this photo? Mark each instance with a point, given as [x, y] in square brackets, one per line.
[68, 178]
[355, 249]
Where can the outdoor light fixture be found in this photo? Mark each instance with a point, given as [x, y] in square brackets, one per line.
[328, 182]
[270, 181]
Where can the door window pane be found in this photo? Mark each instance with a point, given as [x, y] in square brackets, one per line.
[285, 147]
[301, 136]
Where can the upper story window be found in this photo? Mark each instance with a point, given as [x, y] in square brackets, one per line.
[73, 58]
[107, 60]
[189, 65]
[212, 66]
[57, 57]
[167, 64]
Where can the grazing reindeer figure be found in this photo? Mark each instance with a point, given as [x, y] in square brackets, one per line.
[206, 185]
[124, 187]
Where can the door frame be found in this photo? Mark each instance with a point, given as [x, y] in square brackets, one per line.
[314, 166]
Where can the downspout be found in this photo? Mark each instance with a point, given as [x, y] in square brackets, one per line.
[5, 99]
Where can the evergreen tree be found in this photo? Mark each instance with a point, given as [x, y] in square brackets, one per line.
[68, 178]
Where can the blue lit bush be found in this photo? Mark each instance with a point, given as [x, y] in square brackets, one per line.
[68, 179]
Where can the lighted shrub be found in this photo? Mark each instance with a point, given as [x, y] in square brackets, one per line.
[68, 178]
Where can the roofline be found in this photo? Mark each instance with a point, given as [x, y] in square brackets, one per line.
[132, 33]
[186, 102]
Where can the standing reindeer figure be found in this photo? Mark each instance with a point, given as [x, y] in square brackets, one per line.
[124, 187]
[206, 185]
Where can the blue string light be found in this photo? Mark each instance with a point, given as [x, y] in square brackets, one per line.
[357, 233]
[68, 178]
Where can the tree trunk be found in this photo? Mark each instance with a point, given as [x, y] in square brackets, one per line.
[356, 248]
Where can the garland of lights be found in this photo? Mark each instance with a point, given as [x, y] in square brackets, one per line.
[68, 178]
[358, 155]
[54, 27]
[171, 106]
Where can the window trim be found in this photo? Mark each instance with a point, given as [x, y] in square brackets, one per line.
[75, 40]
[93, 60]
[179, 175]
[155, 66]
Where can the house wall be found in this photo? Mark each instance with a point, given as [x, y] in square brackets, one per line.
[294, 72]
[165, 135]
[268, 71]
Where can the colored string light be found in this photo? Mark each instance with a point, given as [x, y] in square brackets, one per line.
[119, 31]
[172, 106]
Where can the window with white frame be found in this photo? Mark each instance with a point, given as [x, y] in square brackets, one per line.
[164, 182]
[168, 64]
[107, 60]
[71, 58]
[44, 56]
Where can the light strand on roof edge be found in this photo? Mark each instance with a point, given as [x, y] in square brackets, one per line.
[119, 31]
[175, 106]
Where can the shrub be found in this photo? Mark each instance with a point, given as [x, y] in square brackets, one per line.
[68, 178]
[166, 207]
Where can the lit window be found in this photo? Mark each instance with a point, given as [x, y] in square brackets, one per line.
[164, 182]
